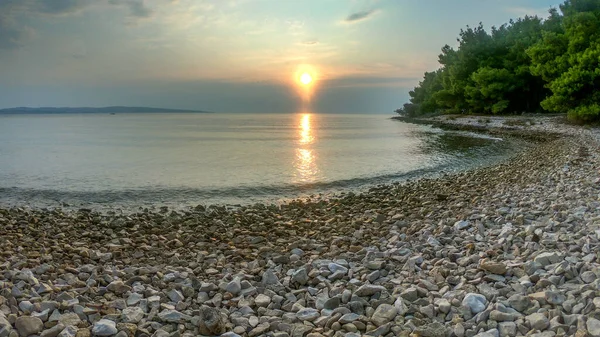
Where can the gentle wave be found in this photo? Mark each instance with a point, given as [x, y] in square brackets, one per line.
[158, 194]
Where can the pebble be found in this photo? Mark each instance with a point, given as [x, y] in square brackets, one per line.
[69, 331]
[27, 325]
[118, 287]
[348, 318]
[262, 300]
[504, 250]
[384, 314]
[593, 327]
[308, 314]
[104, 327]
[132, 315]
[475, 302]
[300, 276]
[507, 329]
[234, 286]
[368, 290]
[411, 294]
[493, 267]
[538, 321]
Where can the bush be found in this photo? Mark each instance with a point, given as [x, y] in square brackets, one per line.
[585, 113]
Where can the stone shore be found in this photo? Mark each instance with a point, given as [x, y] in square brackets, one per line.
[507, 250]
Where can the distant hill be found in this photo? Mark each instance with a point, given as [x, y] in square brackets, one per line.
[110, 110]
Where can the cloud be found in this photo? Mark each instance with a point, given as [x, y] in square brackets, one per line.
[541, 12]
[12, 35]
[14, 32]
[137, 8]
[370, 81]
[360, 16]
[309, 42]
[59, 6]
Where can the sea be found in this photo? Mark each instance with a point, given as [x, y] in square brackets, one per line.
[137, 160]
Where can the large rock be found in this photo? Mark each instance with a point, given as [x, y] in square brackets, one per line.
[462, 224]
[104, 327]
[500, 316]
[348, 318]
[554, 297]
[435, 329]
[380, 331]
[368, 290]
[475, 302]
[70, 331]
[593, 327]
[411, 294]
[69, 318]
[443, 305]
[507, 329]
[383, 314]
[132, 315]
[300, 276]
[175, 296]
[53, 332]
[334, 267]
[118, 287]
[400, 306]
[308, 314]
[259, 330]
[160, 333]
[4, 323]
[538, 321]
[520, 302]
[332, 303]
[234, 286]
[588, 277]
[489, 333]
[173, 316]
[269, 278]
[493, 267]
[27, 325]
[548, 258]
[262, 300]
[210, 322]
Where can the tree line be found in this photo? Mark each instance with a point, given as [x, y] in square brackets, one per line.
[527, 65]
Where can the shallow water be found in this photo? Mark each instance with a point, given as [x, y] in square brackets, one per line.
[187, 159]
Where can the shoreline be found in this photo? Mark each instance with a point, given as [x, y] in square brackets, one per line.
[502, 250]
[134, 200]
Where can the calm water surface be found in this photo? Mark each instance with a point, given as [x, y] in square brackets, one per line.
[187, 159]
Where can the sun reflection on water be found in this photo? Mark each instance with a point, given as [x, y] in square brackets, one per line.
[306, 136]
[306, 165]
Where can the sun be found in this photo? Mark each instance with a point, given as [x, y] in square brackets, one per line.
[306, 78]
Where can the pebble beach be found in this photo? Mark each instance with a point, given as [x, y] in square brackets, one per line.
[505, 250]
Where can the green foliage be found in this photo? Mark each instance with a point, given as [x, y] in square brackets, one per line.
[569, 61]
[422, 96]
[489, 88]
[527, 65]
[409, 110]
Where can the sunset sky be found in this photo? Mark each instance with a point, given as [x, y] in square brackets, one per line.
[230, 55]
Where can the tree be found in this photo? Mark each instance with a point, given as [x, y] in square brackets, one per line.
[568, 59]
[525, 65]
[422, 96]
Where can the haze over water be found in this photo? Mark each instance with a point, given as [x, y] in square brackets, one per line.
[187, 159]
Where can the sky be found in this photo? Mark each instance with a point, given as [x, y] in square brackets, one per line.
[232, 55]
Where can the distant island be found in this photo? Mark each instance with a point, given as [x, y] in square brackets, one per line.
[109, 110]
